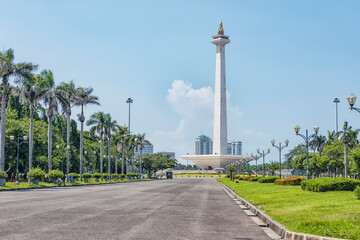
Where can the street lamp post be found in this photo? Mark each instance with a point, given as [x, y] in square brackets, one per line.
[256, 157]
[67, 161]
[129, 101]
[18, 143]
[87, 168]
[263, 154]
[280, 148]
[336, 101]
[307, 138]
[352, 99]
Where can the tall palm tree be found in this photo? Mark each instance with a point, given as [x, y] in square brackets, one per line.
[332, 137]
[32, 97]
[9, 69]
[123, 131]
[132, 146]
[68, 92]
[349, 138]
[82, 98]
[111, 125]
[98, 120]
[140, 139]
[318, 143]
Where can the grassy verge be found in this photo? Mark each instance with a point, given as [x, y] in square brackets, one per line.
[46, 184]
[331, 214]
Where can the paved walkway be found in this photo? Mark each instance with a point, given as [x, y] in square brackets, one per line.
[167, 209]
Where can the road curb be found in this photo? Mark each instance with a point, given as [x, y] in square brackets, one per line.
[79, 185]
[274, 225]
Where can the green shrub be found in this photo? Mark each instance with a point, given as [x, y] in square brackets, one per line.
[293, 180]
[36, 173]
[86, 175]
[115, 176]
[330, 184]
[121, 175]
[237, 181]
[55, 174]
[105, 175]
[357, 192]
[3, 175]
[254, 179]
[236, 177]
[241, 178]
[96, 175]
[227, 175]
[269, 179]
[74, 175]
[246, 178]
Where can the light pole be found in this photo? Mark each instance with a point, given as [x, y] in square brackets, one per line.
[280, 148]
[87, 169]
[18, 143]
[263, 154]
[256, 157]
[67, 161]
[352, 99]
[62, 162]
[307, 139]
[129, 101]
[336, 101]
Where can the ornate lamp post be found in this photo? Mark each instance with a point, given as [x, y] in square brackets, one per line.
[18, 143]
[280, 148]
[307, 138]
[352, 99]
[256, 157]
[263, 154]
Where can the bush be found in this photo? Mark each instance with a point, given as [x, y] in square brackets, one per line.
[3, 175]
[121, 175]
[105, 175]
[236, 177]
[269, 179]
[241, 178]
[227, 175]
[36, 173]
[55, 174]
[86, 175]
[357, 192]
[246, 178]
[254, 179]
[74, 175]
[330, 184]
[115, 176]
[293, 180]
[96, 175]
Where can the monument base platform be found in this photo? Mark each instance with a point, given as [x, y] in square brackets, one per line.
[216, 161]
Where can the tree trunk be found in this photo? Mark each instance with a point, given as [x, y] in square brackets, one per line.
[3, 124]
[126, 160]
[116, 161]
[68, 142]
[109, 154]
[49, 143]
[132, 161]
[140, 161]
[81, 146]
[31, 141]
[345, 158]
[122, 159]
[101, 155]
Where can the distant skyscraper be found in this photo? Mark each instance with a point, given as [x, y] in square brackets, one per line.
[147, 148]
[234, 148]
[203, 145]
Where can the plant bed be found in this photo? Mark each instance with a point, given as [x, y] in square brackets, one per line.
[3, 177]
[293, 180]
[54, 175]
[357, 192]
[74, 177]
[86, 177]
[35, 175]
[330, 184]
[269, 179]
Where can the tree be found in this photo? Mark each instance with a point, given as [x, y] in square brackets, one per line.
[331, 157]
[119, 141]
[9, 69]
[131, 145]
[293, 153]
[82, 98]
[157, 161]
[140, 139]
[348, 137]
[68, 92]
[273, 166]
[318, 143]
[232, 171]
[98, 120]
[110, 126]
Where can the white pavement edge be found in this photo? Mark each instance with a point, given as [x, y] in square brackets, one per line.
[273, 227]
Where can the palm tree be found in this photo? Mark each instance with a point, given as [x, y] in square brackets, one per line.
[82, 98]
[132, 145]
[68, 92]
[110, 127]
[140, 139]
[9, 69]
[318, 143]
[119, 142]
[32, 97]
[349, 138]
[98, 120]
[332, 137]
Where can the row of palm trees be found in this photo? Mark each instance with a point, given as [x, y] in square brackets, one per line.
[33, 89]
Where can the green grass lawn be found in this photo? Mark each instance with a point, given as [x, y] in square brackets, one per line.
[332, 214]
[44, 184]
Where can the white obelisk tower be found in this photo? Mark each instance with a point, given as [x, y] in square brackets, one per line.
[220, 118]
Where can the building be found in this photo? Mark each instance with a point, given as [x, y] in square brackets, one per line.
[171, 154]
[147, 148]
[234, 148]
[203, 145]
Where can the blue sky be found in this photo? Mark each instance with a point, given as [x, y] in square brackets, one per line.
[286, 62]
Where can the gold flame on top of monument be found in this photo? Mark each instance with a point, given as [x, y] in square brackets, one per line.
[221, 30]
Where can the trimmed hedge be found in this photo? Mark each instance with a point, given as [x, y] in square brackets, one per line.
[115, 176]
[36, 173]
[330, 184]
[3, 175]
[96, 175]
[269, 179]
[55, 174]
[86, 175]
[105, 175]
[121, 175]
[357, 192]
[74, 175]
[254, 179]
[293, 180]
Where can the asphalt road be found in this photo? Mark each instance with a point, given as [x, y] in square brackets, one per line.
[166, 209]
